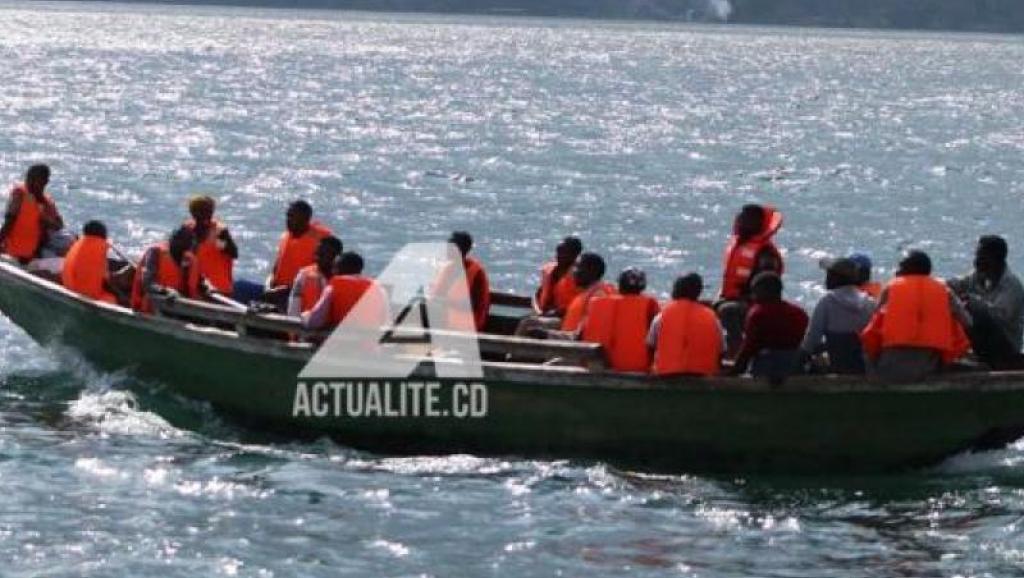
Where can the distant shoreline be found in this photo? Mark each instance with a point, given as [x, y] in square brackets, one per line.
[544, 10]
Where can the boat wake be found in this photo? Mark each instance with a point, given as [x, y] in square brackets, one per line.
[1007, 461]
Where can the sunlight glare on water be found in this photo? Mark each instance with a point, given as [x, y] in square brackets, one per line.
[644, 139]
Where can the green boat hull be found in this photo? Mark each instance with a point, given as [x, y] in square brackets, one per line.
[820, 425]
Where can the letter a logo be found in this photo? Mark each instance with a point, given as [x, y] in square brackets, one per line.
[435, 322]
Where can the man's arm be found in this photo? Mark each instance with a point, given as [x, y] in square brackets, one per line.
[752, 340]
[959, 311]
[52, 220]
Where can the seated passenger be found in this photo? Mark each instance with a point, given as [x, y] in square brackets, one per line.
[557, 286]
[311, 280]
[31, 217]
[620, 323]
[919, 325]
[994, 298]
[476, 280]
[750, 251]
[215, 250]
[838, 319]
[686, 337]
[85, 267]
[346, 289]
[167, 267]
[296, 250]
[588, 275]
[772, 333]
[872, 289]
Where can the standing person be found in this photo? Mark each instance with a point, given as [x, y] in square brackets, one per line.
[85, 267]
[686, 337]
[994, 297]
[296, 250]
[838, 319]
[919, 326]
[750, 251]
[346, 289]
[479, 287]
[557, 285]
[311, 280]
[215, 250]
[168, 266]
[31, 216]
[870, 288]
[620, 323]
[772, 333]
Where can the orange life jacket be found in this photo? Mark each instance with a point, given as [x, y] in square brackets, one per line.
[215, 265]
[690, 340]
[620, 324]
[916, 313]
[168, 274]
[577, 310]
[85, 268]
[741, 257]
[481, 301]
[346, 292]
[313, 284]
[871, 289]
[556, 295]
[294, 253]
[26, 234]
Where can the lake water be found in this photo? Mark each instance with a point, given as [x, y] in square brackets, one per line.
[641, 138]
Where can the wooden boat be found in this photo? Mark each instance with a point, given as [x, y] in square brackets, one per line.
[567, 408]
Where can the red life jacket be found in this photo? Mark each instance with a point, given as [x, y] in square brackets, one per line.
[689, 341]
[215, 265]
[556, 295]
[741, 257]
[168, 274]
[620, 324]
[85, 268]
[294, 253]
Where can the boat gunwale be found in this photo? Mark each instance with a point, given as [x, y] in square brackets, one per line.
[523, 373]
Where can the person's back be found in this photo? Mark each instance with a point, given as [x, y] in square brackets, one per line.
[311, 280]
[918, 326]
[620, 323]
[838, 319]
[773, 331]
[686, 336]
[85, 268]
[348, 293]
